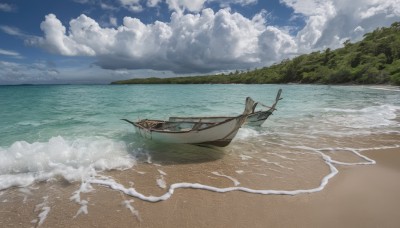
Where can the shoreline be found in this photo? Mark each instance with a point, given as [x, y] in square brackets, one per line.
[358, 196]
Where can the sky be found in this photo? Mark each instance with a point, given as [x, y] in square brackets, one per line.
[99, 41]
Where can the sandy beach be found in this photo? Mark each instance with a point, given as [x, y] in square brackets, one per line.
[326, 162]
[358, 196]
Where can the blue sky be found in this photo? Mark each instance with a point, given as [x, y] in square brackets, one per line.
[99, 41]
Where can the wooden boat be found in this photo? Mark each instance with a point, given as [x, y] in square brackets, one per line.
[214, 131]
[255, 118]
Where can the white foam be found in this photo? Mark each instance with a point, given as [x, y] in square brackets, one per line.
[161, 172]
[127, 204]
[245, 133]
[23, 163]
[365, 118]
[85, 187]
[25, 193]
[327, 159]
[43, 215]
[368, 161]
[379, 148]
[161, 182]
[235, 182]
[44, 211]
[82, 209]
[387, 88]
[275, 163]
[86, 171]
[149, 158]
[29, 123]
[20, 180]
[173, 187]
[245, 157]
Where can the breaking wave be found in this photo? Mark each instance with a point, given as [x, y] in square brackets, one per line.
[23, 163]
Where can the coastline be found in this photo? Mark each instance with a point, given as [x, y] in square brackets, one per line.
[359, 196]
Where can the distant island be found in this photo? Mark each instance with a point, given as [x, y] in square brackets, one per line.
[374, 60]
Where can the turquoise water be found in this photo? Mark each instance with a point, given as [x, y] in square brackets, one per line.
[38, 113]
[63, 130]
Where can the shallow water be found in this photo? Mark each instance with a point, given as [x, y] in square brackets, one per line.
[74, 134]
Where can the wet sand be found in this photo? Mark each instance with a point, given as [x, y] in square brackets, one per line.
[358, 196]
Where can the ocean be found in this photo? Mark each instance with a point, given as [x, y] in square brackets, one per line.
[57, 135]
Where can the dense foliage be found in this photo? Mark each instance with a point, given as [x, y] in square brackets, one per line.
[374, 60]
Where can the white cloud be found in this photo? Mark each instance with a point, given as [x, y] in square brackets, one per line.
[10, 53]
[276, 45]
[12, 31]
[15, 73]
[132, 5]
[180, 6]
[227, 3]
[202, 42]
[83, 1]
[359, 29]
[7, 7]
[113, 21]
[330, 22]
[153, 3]
[56, 40]
[106, 6]
[389, 8]
[43, 72]
[209, 41]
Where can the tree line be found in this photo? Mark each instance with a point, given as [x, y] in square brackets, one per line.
[373, 60]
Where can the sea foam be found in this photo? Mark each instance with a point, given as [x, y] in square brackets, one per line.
[327, 159]
[369, 117]
[23, 163]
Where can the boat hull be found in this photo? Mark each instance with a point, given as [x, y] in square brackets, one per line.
[220, 134]
[254, 119]
[258, 118]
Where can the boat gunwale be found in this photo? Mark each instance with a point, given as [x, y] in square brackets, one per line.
[186, 131]
[205, 117]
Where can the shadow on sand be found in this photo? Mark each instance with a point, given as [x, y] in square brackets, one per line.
[168, 154]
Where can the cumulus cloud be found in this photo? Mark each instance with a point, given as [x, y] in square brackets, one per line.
[180, 6]
[15, 73]
[205, 40]
[55, 39]
[276, 45]
[190, 43]
[330, 22]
